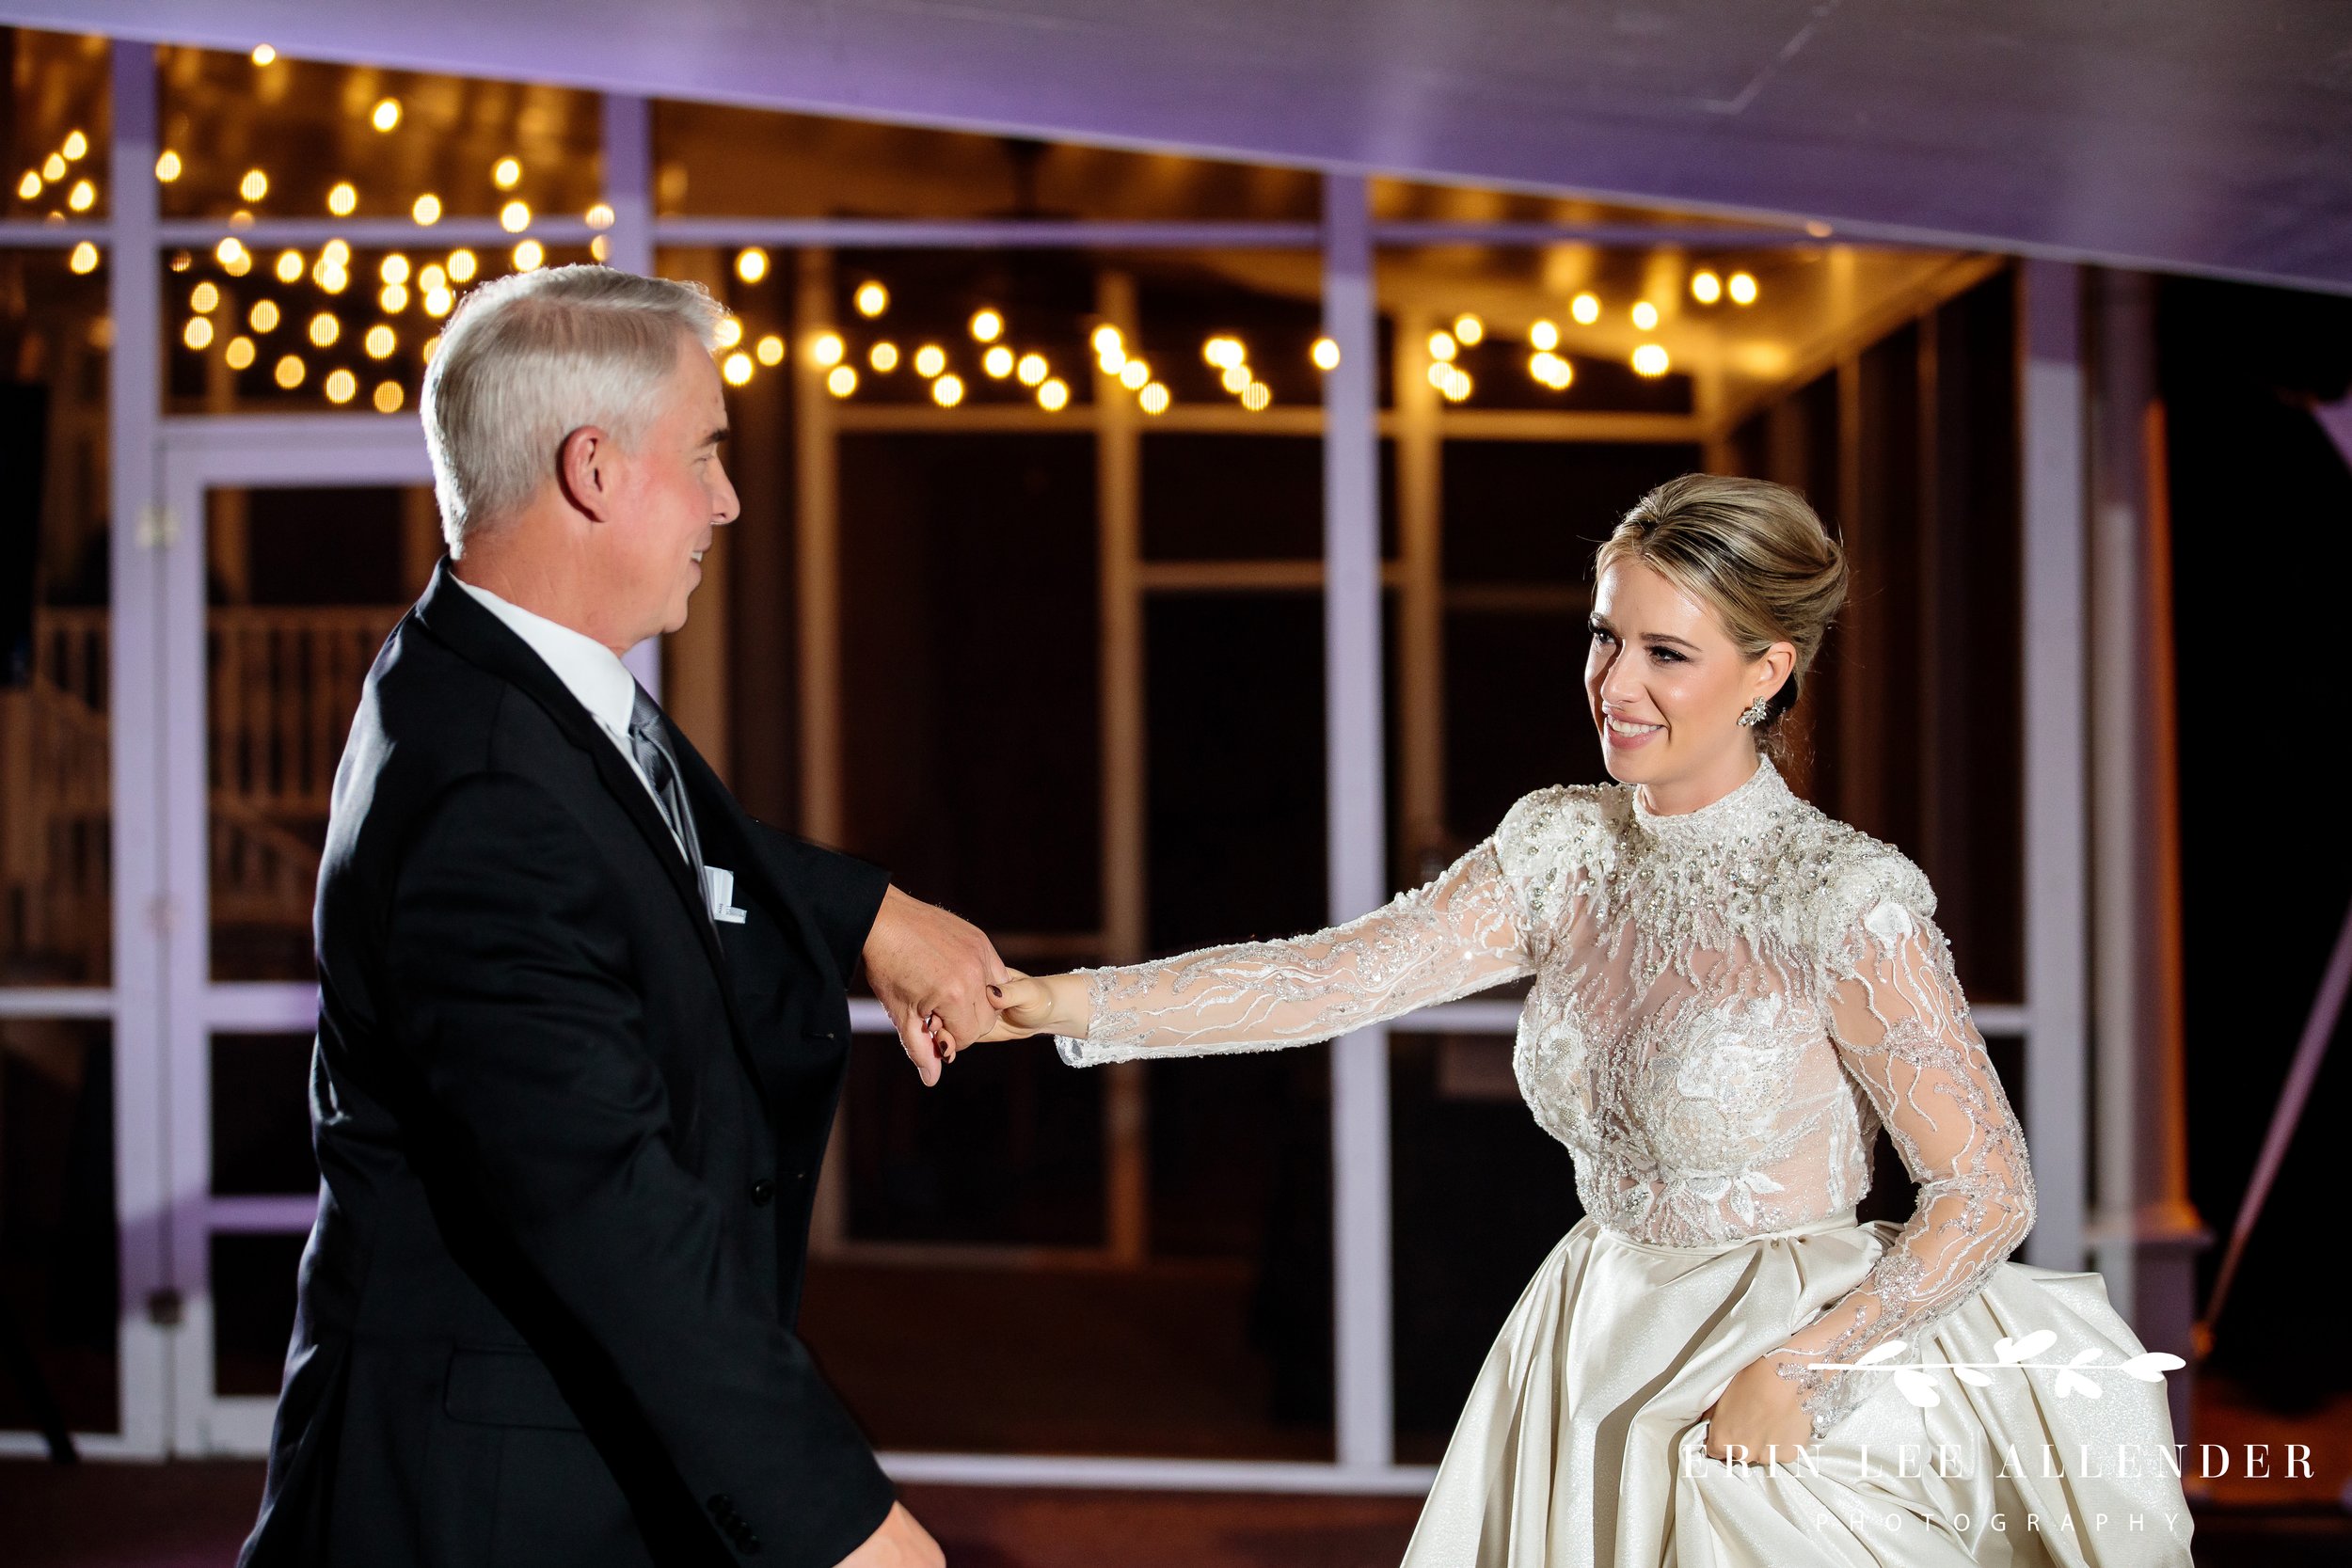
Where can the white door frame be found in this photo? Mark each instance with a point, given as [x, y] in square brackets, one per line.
[196, 456]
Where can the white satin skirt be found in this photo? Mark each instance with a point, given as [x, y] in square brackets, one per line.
[1582, 1443]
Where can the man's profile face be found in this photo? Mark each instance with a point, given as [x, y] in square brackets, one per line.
[674, 493]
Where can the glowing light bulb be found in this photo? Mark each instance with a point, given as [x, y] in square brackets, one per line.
[83, 196]
[387, 397]
[74, 145]
[1133, 373]
[1112, 359]
[871, 299]
[203, 297]
[997, 362]
[84, 258]
[1585, 309]
[343, 199]
[826, 349]
[1551, 369]
[735, 369]
[331, 276]
[931, 359]
[1237, 378]
[30, 187]
[263, 54]
[770, 350]
[987, 326]
[751, 264]
[1645, 316]
[289, 373]
[1256, 396]
[1107, 339]
[336, 253]
[1442, 346]
[167, 168]
[431, 346]
[53, 166]
[238, 355]
[381, 342]
[1153, 399]
[426, 210]
[263, 315]
[1224, 353]
[729, 331]
[1030, 370]
[1053, 395]
[254, 186]
[947, 390]
[601, 215]
[883, 358]
[438, 302]
[198, 333]
[340, 385]
[1742, 288]
[462, 266]
[324, 329]
[507, 173]
[1325, 353]
[529, 256]
[394, 299]
[386, 114]
[432, 277]
[1706, 287]
[393, 268]
[1469, 329]
[1544, 335]
[514, 216]
[600, 247]
[233, 257]
[1457, 387]
[1650, 359]
[288, 266]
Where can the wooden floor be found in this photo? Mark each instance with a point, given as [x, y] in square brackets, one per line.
[189, 1514]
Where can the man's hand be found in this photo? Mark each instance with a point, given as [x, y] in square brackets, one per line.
[900, 1543]
[933, 973]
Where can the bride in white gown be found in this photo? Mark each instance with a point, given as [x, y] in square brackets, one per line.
[1733, 994]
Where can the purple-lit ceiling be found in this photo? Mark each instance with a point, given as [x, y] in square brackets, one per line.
[2199, 134]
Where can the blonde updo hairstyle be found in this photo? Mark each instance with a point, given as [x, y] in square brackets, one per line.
[1755, 553]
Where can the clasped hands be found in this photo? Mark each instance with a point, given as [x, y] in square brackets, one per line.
[939, 979]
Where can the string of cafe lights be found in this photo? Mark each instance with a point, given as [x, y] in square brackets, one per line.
[432, 286]
[1224, 352]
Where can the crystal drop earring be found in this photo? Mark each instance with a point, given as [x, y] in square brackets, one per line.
[1755, 714]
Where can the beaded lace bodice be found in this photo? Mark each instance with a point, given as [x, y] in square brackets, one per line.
[1728, 1006]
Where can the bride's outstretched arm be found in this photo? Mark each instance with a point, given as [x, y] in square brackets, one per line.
[1461, 933]
[1903, 1031]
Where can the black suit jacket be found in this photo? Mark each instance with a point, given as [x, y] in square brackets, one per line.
[568, 1132]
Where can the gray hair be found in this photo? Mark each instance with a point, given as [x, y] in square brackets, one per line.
[532, 357]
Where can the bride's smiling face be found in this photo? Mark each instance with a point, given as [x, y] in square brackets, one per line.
[1666, 684]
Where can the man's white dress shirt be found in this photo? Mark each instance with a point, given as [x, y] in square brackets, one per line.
[591, 671]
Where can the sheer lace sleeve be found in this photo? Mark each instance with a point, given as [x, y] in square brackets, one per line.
[1461, 933]
[1902, 1030]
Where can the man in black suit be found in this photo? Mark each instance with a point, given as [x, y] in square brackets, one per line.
[583, 1023]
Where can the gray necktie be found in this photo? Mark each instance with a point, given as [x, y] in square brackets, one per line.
[651, 748]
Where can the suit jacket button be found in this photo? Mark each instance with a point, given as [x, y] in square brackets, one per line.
[763, 1192]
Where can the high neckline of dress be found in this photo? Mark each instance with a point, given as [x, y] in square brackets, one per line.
[1743, 813]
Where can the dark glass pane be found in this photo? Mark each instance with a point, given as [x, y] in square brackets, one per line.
[305, 584]
[1522, 511]
[253, 1310]
[58, 1289]
[57, 803]
[55, 115]
[262, 1115]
